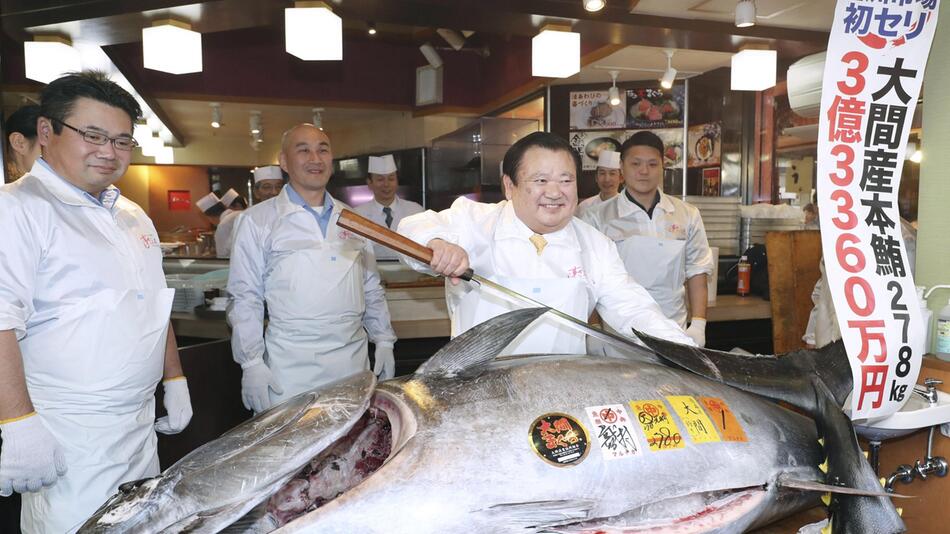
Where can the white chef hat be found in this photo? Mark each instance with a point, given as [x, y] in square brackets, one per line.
[229, 197]
[382, 164]
[207, 202]
[269, 172]
[609, 159]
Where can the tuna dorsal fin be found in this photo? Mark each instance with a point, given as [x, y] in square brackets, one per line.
[480, 344]
[786, 377]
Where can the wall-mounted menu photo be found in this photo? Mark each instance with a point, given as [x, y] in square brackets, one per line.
[649, 108]
[704, 142]
[591, 110]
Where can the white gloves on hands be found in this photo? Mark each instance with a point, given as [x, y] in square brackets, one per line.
[177, 403]
[256, 380]
[31, 457]
[385, 365]
[697, 331]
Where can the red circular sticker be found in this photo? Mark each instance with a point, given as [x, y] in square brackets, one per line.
[559, 439]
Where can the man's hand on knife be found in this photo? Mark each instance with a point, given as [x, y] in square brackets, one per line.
[448, 259]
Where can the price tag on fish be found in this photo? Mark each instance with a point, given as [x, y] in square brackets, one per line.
[699, 426]
[614, 434]
[658, 427]
[725, 421]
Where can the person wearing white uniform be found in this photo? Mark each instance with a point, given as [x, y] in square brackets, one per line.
[661, 239]
[609, 178]
[386, 208]
[268, 181]
[532, 243]
[84, 316]
[224, 233]
[319, 282]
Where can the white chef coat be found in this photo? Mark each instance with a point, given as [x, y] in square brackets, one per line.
[81, 285]
[588, 203]
[224, 233]
[321, 292]
[640, 239]
[498, 246]
[373, 211]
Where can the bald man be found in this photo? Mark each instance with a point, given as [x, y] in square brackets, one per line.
[319, 281]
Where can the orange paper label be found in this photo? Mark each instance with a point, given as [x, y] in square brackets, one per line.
[699, 426]
[657, 424]
[724, 419]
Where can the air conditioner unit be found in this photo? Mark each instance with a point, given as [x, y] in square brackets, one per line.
[804, 84]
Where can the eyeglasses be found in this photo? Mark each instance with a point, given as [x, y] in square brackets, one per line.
[120, 143]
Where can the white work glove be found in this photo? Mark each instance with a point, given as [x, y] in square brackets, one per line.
[30, 457]
[256, 380]
[177, 403]
[697, 331]
[385, 365]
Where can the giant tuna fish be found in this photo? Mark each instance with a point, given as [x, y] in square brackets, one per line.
[477, 443]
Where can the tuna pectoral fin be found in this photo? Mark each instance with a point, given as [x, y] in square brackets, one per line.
[480, 344]
[851, 514]
[538, 513]
[786, 377]
[811, 485]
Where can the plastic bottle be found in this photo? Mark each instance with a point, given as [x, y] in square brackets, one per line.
[927, 316]
[943, 333]
[745, 277]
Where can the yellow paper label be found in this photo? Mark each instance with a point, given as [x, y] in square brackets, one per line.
[725, 421]
[699, 426]
[657, 424]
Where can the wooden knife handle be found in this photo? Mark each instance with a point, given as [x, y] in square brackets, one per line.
[384, 236]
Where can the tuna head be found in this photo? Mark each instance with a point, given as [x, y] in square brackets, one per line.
[222, 480]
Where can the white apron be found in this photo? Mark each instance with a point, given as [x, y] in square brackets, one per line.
[547, 335]
[315, 300]
[659, 265]
[92, 374]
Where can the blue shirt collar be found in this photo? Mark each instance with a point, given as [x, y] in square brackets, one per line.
[323, 219]
[107, 198]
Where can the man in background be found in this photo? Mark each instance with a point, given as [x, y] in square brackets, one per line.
[319, 282]
[386, 208]
[661, 239]
[609, 177]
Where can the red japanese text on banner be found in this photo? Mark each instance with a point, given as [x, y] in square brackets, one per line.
[875, 63]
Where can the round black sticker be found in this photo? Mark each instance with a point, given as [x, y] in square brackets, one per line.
[559, 439]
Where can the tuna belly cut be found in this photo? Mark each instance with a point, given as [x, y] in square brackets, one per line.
[720, 511]
[340, 467]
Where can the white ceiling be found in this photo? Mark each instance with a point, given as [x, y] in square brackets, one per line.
[647, 63]
[805, 14]
[193, 117]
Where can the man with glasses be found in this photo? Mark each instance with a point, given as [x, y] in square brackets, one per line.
[532, 243]
[84, 315]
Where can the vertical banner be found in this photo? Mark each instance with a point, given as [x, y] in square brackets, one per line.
[877, 52]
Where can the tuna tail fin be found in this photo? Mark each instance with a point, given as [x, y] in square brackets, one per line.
[817, 381]
[480, 344]
[787, 377]
[851, 514]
